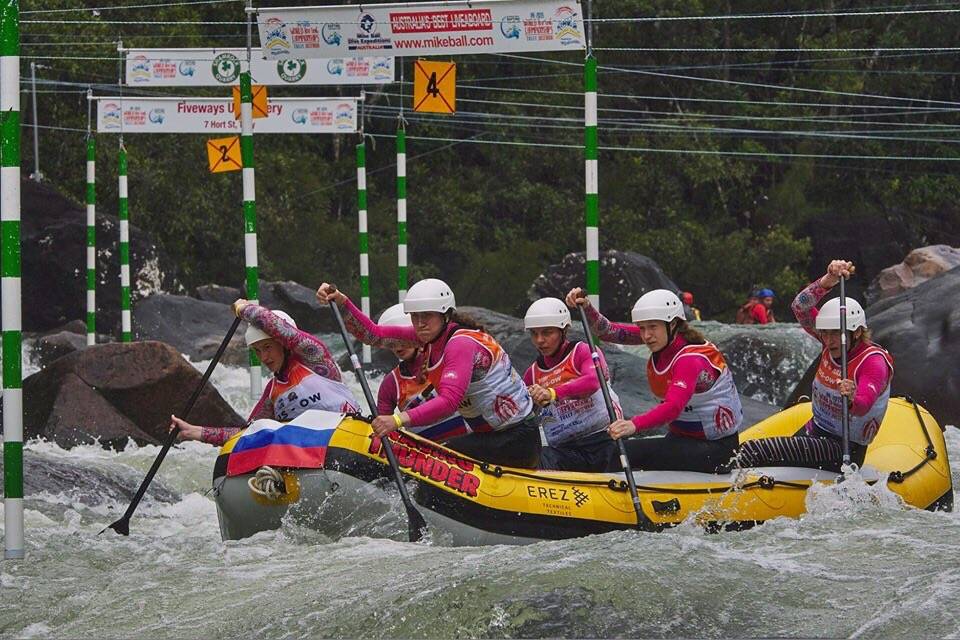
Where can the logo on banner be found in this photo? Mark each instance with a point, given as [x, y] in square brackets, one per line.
[565, 23]
[187, 68]
[538, 27]
[330, 32]
[321, 117]
[510, 27]
[292, 70]
[135, 116]
[111, 115]
[335, 67]
[344, 116]
[358, 68]
[277, 42]
[305, 35]
[226, 68]
[299, 116]
[164, 69]
[368, 37]
[140, 71]
[382, 69]
[157, 116]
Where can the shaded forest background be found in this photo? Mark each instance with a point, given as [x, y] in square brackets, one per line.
[489, 217]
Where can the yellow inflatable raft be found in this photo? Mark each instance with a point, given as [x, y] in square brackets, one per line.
[478, 503]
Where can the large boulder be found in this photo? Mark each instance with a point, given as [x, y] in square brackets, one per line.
[217, 293]
[114, 392]
[69, 337]
[919, 266]
[767, 361]
[194, 327]
[921, 329]
[52, 346]
[301, 303]
[53, 234]
[624, 277]
[294, 298]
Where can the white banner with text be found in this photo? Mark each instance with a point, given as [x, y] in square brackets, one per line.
[421, 29]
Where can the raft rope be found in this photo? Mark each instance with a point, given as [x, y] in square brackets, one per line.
[268, 482]
[930, 452]
[764, 482]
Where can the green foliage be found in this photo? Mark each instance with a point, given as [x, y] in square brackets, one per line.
[722, 269]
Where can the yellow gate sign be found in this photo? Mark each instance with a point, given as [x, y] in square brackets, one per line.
[434, 86]
[223, 154]
[259, 101]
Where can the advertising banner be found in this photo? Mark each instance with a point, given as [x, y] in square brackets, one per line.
[421, 29]
[221, 67]
[215, 115]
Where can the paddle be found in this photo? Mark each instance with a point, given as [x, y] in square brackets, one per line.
[624, 462]
[122, 526]
[845, 414]
[416, 524]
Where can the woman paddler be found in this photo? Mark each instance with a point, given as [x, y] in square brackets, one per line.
[407, 386]
[473, 374]
[865, 389]
[698, 398]
[305, 375]
[563, 383]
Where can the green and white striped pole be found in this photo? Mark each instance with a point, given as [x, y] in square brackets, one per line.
[126, 334]
[401, 211]
[91, 235]
[249, 214]
[364, 241]
[13, 547]
[592, 198]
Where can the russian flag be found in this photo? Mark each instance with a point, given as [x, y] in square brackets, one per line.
[300, 443]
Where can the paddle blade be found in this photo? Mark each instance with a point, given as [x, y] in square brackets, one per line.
[418, 526]
[121, 526]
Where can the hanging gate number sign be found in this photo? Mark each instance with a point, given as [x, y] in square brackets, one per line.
[434, 87]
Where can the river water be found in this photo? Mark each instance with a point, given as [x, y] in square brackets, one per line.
[858, 564]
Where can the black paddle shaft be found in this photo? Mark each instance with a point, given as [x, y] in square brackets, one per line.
[845, 408]
[417, 525]
[624, 460]
[122, 525]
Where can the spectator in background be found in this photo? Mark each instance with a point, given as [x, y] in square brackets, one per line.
[689, 308]
[762, 312]
[744, 315]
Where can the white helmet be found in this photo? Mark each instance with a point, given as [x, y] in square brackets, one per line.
[659, 304]
[829, 316]
[255, 334]
[547, 312]
[395, 317]
[429, 295]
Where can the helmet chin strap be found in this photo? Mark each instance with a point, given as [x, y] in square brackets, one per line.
[671, 332]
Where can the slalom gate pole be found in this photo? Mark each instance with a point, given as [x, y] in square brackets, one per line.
[13, 539]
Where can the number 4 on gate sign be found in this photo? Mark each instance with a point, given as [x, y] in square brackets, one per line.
[434, 87]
